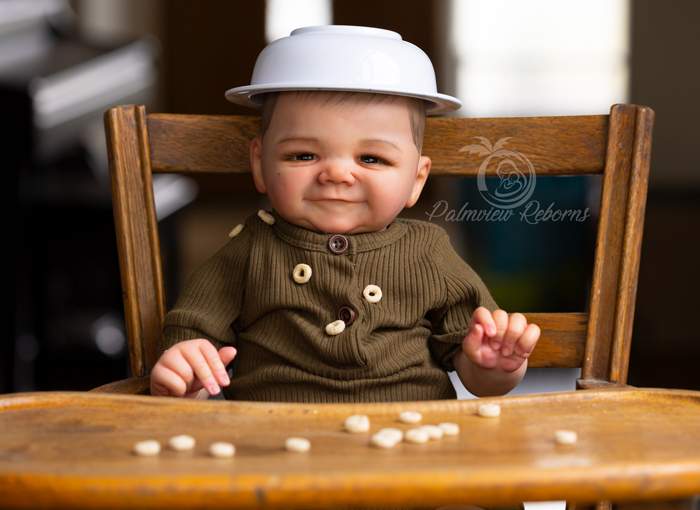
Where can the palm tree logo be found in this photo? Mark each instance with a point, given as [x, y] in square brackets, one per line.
[516, 174]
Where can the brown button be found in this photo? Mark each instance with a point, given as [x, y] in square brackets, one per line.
[338, 243]
[347, 314]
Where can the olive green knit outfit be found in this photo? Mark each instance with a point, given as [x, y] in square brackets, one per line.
[395, 349]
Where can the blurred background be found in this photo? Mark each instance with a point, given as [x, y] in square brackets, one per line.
[63, 63]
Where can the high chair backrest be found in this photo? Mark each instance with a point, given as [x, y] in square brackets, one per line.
[617, 145]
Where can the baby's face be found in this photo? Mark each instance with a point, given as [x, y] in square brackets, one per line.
[339, 168]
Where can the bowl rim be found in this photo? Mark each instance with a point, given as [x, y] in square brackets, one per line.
[244, 95]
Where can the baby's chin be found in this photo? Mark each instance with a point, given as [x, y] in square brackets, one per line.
[331, 225]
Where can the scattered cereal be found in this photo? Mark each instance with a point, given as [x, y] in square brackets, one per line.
[302, 273]
[297, 444]
[449, 428]
[372, 293]
[266, 216]
[357, 423]
[181, 442]
[565, 436]
[392, 432]
[489, 410]
[222, 449]
[384, 440]
[417, 435]
[433, 431]
[410, 417]
[236, 230]
[147, 448]
[335, 327]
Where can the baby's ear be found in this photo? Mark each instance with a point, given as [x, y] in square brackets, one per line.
[256, 163]
[424, 164]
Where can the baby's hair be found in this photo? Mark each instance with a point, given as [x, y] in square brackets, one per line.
[417, 108]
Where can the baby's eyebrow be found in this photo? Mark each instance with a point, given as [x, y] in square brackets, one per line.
[379, 140]
[298, 138]
[315, 140]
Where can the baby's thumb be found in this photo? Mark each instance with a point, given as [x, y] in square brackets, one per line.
[227, 354]
[472, 342]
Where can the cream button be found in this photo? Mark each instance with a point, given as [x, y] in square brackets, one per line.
[266, 216]
[335, 327]
[372, 293]
[301, 273]
[236, 230]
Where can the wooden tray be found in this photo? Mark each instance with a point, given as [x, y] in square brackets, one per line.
[73, 450]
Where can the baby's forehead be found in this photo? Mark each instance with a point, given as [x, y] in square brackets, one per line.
[358, 116]
[371, 108]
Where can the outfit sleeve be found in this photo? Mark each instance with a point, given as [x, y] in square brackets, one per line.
[464, 293]
[212, 297]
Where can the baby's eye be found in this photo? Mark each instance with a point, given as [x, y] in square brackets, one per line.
[370, 157]
[293, 157]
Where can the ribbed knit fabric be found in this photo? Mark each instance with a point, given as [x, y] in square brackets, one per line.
[396, 349]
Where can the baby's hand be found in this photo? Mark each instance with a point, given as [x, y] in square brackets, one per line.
[499, 341]
[188, 366]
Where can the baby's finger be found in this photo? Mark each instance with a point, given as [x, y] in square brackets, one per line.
[528, 340]
[516, 326]
[197, 391]
[178, 364]
[166, 382]
[215, 363]
[482, 315]
[201, 368]
[500, 318]
[227, 354]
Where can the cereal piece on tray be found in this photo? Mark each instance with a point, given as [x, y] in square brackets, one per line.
[181, 442]
[147, 448]
[489, 410]
[298, 444]
[222, 450]
[410, 417]
[357, 423]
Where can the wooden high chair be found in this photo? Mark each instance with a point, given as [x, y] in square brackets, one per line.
[617, 146]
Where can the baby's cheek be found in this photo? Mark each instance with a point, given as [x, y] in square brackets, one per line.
[389, 192]
[285, 187]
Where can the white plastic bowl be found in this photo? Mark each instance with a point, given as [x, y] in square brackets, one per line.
[344, 57]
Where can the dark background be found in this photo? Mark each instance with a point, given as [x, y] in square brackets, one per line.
[66, 271]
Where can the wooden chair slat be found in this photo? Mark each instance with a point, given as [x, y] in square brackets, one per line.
[137, 233]
[554, 145]
[566, 145]
[632, 245]
[562, 341]
[618, 244]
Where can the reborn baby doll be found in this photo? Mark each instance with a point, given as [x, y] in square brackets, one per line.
[329, 296]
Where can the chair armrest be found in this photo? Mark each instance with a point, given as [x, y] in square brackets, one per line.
[588, 384]
[133, 386]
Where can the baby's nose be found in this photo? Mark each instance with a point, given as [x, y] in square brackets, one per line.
[336, 172]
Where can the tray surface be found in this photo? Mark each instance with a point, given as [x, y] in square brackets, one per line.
[633, 444]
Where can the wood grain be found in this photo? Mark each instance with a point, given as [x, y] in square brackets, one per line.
[73, 450]
[618, 244]
[138, 242]
[555, 145]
